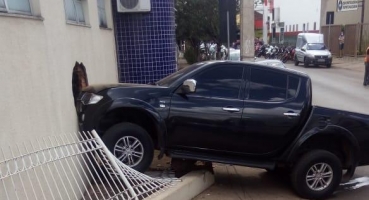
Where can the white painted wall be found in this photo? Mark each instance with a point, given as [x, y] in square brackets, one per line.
[37, 58]
[294, 12]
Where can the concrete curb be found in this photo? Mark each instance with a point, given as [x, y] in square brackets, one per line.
[192, 184]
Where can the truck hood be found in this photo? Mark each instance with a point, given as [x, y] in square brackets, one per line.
[99, 87]
[319, 52]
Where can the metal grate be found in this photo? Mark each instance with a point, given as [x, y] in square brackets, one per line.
[71, 167]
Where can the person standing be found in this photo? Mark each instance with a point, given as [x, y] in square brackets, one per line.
[366, 75]
[341, 40]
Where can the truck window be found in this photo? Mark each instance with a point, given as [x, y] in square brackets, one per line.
[267, 85]
[221, 82]
[293, 85]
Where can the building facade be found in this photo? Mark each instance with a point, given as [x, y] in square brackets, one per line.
[350, 17]
[345, 14]
[289, 18]
[49, 50]
[146, 43]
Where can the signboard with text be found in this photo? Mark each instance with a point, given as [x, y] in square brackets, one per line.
[347, 5]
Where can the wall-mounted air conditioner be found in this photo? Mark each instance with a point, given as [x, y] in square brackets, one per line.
[130, 6]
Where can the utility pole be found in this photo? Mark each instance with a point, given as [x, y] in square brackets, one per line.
[247, 30]
[361, 25]
[265, 20]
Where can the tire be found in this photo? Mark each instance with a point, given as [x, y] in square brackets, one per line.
[306, 64]
[132, 134]
[304, 167]
[296, 61]
[329, 65]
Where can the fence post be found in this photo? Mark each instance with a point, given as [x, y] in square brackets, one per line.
[114, 163]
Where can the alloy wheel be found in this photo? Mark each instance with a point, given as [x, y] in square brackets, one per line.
[319, 176]
[129, 150]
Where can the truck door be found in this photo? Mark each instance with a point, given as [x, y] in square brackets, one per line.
[271, 114]
[209, 119]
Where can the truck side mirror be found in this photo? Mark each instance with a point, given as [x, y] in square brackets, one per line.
[189, 86]
[302, 49]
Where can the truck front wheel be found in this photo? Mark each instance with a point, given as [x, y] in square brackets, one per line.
[317, 174]
[131, 144]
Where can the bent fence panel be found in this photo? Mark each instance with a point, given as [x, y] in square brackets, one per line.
[75, 166]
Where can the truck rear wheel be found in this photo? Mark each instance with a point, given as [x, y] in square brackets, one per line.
[317, 174]
[131, 144]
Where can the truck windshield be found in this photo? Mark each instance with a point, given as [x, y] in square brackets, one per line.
[169, 80]
[316, 47]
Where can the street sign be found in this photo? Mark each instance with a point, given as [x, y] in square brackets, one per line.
[347, 5]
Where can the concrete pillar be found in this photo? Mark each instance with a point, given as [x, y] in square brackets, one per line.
[247, 30]
[265, 25]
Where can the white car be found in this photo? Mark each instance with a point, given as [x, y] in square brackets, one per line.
[273, 62]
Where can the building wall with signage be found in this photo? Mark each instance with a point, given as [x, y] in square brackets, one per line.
[343, 12]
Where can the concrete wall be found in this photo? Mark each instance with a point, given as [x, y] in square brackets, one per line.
[342, 18]
[37, 59]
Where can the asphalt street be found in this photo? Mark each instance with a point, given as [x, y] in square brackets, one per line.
[334, 88]
[337, 88]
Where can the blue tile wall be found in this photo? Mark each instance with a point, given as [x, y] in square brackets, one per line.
[146, 47]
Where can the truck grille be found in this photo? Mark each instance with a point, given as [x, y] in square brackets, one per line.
[321, 57]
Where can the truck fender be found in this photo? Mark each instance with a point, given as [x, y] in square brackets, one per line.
[139, 104]
[328, 130]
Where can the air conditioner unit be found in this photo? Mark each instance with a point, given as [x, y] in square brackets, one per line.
[130, 6]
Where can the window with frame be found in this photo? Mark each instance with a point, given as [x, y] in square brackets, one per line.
[220, 82]
[102, 13]
[270, 86]
[74, 11]
[267, 85]
[293, 86]
[16, 6]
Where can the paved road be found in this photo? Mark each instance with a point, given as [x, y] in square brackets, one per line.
[334, 88]
[338, 88]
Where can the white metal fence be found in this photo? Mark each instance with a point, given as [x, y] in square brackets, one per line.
[75, 166]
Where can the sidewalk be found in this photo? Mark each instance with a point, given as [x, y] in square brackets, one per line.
[349, 63]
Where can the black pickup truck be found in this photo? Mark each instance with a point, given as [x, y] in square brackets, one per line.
[239, 113]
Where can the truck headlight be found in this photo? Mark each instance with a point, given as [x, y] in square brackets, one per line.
[330, 55]
[90, 98]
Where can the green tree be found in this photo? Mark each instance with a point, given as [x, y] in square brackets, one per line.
[197, 20]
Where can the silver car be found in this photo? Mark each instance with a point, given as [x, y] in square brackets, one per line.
[274, 63]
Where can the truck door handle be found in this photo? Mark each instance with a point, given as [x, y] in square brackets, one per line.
[291, 114]
[229, 109]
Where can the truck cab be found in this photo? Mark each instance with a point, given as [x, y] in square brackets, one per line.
[310, 49]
